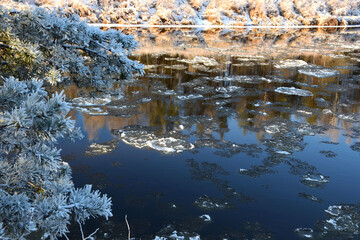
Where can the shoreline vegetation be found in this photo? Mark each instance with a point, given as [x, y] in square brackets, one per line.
[207, 12]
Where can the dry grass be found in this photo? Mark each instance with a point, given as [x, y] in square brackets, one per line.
[229, 12]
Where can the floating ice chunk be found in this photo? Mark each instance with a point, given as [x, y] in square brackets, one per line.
[294, 91]
[229, 89]
[101, 148]
[348, 117]
[170, 145]
[304, 112]
[316, 178]
[240, 79]
[93, 111]
[283, 152]
[189, 97]
[327, 111]
[306, 129]
[143, 137]
[205, 218]
[319, 72]
[304, 232]
[290, 63]
[170, 233]
[209, 62]
[334, 210]
[206, 202]
[151, 67]
[177, 67]
[272, 129]
[166, 92]
[155, 75]
[88, 102]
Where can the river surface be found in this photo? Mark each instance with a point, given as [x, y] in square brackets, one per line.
[230, 134]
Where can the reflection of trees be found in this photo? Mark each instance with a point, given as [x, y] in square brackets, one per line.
[161, 107]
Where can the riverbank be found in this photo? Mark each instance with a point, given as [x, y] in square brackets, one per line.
[208, 12]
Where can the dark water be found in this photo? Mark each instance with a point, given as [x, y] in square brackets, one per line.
[262, 137]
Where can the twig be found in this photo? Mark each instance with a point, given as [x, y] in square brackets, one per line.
[81, 230]
[127, 224]
[82, 233]
[89, 237]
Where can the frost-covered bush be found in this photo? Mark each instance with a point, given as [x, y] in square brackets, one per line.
[49, 45]
[36, 190]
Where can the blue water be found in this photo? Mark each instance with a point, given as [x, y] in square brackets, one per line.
[145, 183]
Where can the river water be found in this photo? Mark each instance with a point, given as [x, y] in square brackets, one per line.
[230, 134]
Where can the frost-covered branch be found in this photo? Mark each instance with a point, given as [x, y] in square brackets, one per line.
[48, 44]
[36, 190]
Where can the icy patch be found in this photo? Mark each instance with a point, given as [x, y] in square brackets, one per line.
[170, 145]
[316, 178]
[283, 152]
[241, 79]
[178, 67]
[189, 97]
[144, 137]
[170, 233]
[229, 89]
[208, 203]
[290, 63]
[205, 218]
[319, 72]
[161, 76]
[294, 91]
[166, 92]
[343, 223]
[209, 62]
[272, 129]
[304, 232]
[96, 149]
[348, 117]
[306, 129]
[89, 102]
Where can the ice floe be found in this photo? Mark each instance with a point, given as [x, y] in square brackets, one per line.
[209, 62]
[91, 101]
[319, 72]
[145, 137]
[189, 97]
[294, 91]
[205, 218]
[101, 148]
[209, 203]
[290, 63]
[170, 233]
[304, 232]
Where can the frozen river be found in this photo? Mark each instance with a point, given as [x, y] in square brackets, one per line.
[230, 134]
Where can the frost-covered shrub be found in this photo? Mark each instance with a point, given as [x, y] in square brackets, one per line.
[36, 190]
[46, 44]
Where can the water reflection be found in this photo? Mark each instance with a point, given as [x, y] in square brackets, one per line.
[249, 108]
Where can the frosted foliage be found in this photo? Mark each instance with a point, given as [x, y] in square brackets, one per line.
[49, 45]
[36, 190]
[230, 12]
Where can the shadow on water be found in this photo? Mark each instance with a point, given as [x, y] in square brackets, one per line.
[230, 134]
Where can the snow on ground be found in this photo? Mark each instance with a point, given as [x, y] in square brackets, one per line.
[210, 12]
